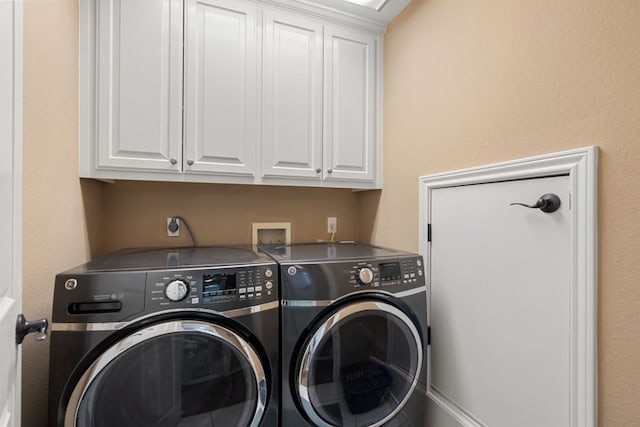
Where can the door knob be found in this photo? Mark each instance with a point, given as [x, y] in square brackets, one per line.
[25, 327]
[546, 203]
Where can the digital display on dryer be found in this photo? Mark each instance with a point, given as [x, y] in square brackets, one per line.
[390, 271]
[220, 284]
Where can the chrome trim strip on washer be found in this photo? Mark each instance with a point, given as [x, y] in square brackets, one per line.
[326, 302]
[153, 331]
[114, 326]
[325, 329]
[307, 303]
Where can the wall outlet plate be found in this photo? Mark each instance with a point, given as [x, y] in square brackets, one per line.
[271, 233]
[175, 233]
[332, 224]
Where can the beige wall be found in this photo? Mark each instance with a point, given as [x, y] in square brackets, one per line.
[135, 213]
[55, 205]
[475, 82]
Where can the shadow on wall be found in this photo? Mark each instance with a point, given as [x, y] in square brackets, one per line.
[92, 192]
[368, 202]
[133, 214]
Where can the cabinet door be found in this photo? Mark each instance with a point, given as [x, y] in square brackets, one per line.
[292, 129]
[350, 105]
[139, 89]
[221, 87]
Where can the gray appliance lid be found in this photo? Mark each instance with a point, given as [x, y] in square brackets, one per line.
[170, 258]
[308, 252]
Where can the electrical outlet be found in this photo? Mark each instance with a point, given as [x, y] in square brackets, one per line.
[332, 224]
[173, 227]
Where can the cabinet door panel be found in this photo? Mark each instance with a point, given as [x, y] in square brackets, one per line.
[140, 86]
[349, 128]
[221, 87]
[292, 132]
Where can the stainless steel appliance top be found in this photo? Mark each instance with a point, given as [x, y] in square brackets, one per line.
[341, 251]
[172, 258]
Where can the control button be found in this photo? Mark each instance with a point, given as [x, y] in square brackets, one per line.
[176, 290]
[419, 263]
[406, 275]
[268, 285]
[419, 272]
[292, 270]
[250, 295]
[250, 289]
[242, 290]
[243, 297]
[258, 288]
[268, 292]
[268, 273]
[258, 294]
[365, 275]
[412, 275]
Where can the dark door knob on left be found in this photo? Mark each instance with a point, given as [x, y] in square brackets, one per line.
[25, 327]
[546, 203]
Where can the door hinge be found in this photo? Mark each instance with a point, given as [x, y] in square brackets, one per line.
[428, 232]
[428, 335]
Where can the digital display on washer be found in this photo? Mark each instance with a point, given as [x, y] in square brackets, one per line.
[218, 284]
[390, 271]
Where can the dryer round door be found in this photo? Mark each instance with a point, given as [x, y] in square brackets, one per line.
[360, 365]
[175, 373]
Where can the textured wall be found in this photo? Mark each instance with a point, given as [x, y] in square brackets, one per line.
[135, 213]
[473, 82]
[56, 205]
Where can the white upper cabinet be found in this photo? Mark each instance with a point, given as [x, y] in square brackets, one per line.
[350, 105]
[278, 92]
[221, 87]
[292, 107]
[139, 89]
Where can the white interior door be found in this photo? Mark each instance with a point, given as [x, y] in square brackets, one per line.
[512, 294]
[11, 206]
[501, 303]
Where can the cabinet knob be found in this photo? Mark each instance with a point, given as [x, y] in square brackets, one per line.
[318, 170]
[190, 162]
[173, 161]
[329, 170]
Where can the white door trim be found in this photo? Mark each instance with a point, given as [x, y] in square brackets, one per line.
[581, 166]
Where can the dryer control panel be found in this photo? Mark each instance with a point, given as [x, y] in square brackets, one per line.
[388, 273]
[331, 280]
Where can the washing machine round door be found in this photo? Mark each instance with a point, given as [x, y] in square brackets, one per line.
[175, 373]
[360, 365]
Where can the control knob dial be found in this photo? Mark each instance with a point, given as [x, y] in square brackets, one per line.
[365, 275]
[176, 290]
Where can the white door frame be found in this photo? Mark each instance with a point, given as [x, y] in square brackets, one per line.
[581, 166]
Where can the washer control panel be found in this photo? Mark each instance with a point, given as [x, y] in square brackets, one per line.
[211, 286]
